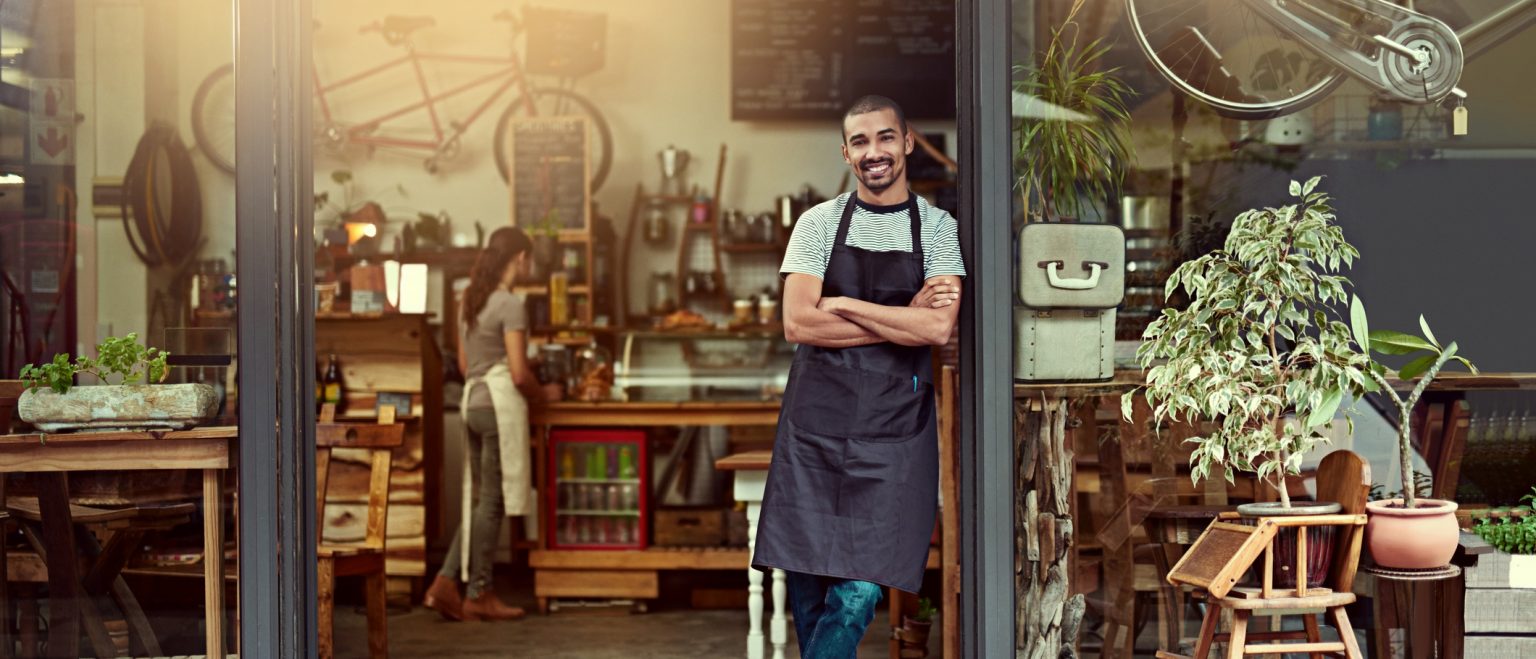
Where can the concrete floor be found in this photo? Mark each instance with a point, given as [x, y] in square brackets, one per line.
[580, 634]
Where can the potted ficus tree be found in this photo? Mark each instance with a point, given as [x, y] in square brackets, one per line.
[1262, 350]
[53, 402]
[1409, 532]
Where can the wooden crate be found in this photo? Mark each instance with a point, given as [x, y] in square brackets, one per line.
[1501, 570]
[689, 527]
[1500, 617]
[1515, 647]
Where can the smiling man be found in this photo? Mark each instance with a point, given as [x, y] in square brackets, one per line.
[872, 282]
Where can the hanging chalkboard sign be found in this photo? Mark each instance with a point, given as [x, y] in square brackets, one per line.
[808, 59]
[549, 172]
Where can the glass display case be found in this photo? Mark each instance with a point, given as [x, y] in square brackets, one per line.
[703, 365]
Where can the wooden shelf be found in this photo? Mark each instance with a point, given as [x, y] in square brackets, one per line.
[750, 247]
[655, 558]
[544, 290]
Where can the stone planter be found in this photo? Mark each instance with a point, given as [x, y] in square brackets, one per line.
[1421, 538]
[119, 407]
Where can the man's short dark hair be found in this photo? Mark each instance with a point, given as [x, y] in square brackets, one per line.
[875, 103]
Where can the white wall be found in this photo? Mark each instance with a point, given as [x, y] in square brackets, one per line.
[666, 82]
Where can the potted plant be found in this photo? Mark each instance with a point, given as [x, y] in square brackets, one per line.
[1408, 532]
[1513, 534]
[546, 245]
[54, 403]
[356, 219]
[1261, 349]
[916, 628]
[1078, 148]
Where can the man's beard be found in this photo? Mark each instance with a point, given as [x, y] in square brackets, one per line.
[880, 184]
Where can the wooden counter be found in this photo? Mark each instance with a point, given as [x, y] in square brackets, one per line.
[628, 574]
[655, 414]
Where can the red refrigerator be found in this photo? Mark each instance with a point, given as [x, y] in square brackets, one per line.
[598, 490]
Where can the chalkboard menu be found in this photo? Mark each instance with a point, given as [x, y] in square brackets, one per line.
[808, 59]
[549, 172]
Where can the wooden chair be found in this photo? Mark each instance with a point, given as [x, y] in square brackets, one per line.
[365, 559]
[1226, 550]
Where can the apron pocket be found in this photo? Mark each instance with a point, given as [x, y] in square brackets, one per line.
[825, 399]
[892, 408]
[858, 404]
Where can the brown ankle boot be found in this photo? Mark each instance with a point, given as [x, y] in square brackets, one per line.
[443, 597]
[488, 607]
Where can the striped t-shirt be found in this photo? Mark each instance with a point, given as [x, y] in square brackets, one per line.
[873, 228]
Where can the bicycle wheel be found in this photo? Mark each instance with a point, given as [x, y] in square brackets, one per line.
[554, 103]
[213, 118]
[1225, 55]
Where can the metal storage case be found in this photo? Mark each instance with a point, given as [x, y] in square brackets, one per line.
[1071, 279]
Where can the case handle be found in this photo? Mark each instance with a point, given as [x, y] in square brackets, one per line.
[1052, 269]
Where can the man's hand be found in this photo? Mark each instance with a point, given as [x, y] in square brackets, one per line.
[937, 293]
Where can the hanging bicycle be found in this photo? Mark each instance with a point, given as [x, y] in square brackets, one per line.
[1256, 59]
[213, 104]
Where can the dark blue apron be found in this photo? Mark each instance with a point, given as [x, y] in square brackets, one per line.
[853, 487]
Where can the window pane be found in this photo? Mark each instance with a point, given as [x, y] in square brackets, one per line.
[115, 224]
[1224, 109]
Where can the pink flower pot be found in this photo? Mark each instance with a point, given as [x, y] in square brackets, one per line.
[1421, 538]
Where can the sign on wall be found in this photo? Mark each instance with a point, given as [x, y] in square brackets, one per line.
[808, 59]
[51, 122]
[549, 173]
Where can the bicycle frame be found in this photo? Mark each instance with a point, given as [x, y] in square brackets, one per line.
[510, 74]
[1372, 70]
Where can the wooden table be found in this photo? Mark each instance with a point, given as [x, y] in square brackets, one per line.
[50, 456]
[621, 573]
[751, 470]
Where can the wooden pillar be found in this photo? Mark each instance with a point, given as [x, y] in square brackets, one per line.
[1047, 616]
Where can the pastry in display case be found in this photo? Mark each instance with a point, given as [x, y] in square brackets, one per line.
[702, 365]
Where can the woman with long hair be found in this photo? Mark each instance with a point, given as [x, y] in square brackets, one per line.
[499, 382]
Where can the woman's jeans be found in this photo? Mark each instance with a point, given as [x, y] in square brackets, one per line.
[831, 615]
[485, 468]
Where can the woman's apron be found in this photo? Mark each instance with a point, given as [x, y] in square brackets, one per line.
[517, 494]
[853, 486]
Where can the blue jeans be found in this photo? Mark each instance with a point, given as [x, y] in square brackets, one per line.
[831, 614]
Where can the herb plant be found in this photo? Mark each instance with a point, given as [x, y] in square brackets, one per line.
[1510, 535]
[122, 356]
[925, 610]
[1262, 339]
